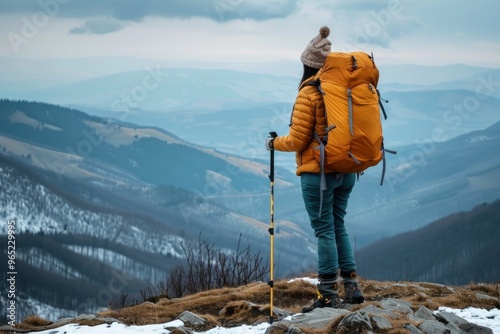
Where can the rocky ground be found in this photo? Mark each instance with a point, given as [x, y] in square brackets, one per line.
[390, 307]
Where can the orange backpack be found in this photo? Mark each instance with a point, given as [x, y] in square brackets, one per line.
[353, 138]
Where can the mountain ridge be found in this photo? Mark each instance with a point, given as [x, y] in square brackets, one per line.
[454, 250]
[87, 138]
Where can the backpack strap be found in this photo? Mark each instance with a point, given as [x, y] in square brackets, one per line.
[322, 182]
[322, 142]
[380, 99]
[349, 104]
[314, 82]
[384, 163]
[384, 150]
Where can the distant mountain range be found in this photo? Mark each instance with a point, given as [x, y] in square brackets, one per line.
[59, 71]
[85, 146]
[455, 250]
[232, 107]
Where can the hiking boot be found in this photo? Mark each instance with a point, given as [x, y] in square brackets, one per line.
[353, 293]
[327, 293]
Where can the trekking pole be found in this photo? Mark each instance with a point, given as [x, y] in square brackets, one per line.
[271, 228]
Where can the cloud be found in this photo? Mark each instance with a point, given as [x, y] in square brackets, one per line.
[372, 29]
[360, 5]
[98, 26]
[133, 10]
[364, 23]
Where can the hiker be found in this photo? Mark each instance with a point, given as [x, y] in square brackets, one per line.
[334, 248]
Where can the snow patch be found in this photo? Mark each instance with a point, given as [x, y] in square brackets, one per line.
[479, 139]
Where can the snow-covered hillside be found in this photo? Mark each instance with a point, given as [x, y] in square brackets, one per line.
[62, 243]
[37, 209]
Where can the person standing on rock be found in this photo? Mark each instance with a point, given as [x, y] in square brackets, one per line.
[334, 248]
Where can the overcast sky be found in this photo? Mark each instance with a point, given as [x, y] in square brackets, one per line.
[397, 31]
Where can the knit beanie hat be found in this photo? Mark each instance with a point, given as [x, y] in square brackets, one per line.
[318, 49]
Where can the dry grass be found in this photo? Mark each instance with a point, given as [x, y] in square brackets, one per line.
[33, 321]
[36, 323]
[250, 304]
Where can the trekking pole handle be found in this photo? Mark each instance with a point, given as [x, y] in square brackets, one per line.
[273, 135]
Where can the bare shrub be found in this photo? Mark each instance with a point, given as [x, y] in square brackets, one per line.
[207, 268]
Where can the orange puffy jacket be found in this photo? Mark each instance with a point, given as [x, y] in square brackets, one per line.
[308, 116]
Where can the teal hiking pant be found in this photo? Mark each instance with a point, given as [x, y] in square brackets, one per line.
[334, 246]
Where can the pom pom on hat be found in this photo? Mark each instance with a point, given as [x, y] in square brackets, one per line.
[318, 49]
[324, 31]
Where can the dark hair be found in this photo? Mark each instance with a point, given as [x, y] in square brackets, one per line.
[308, 72]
